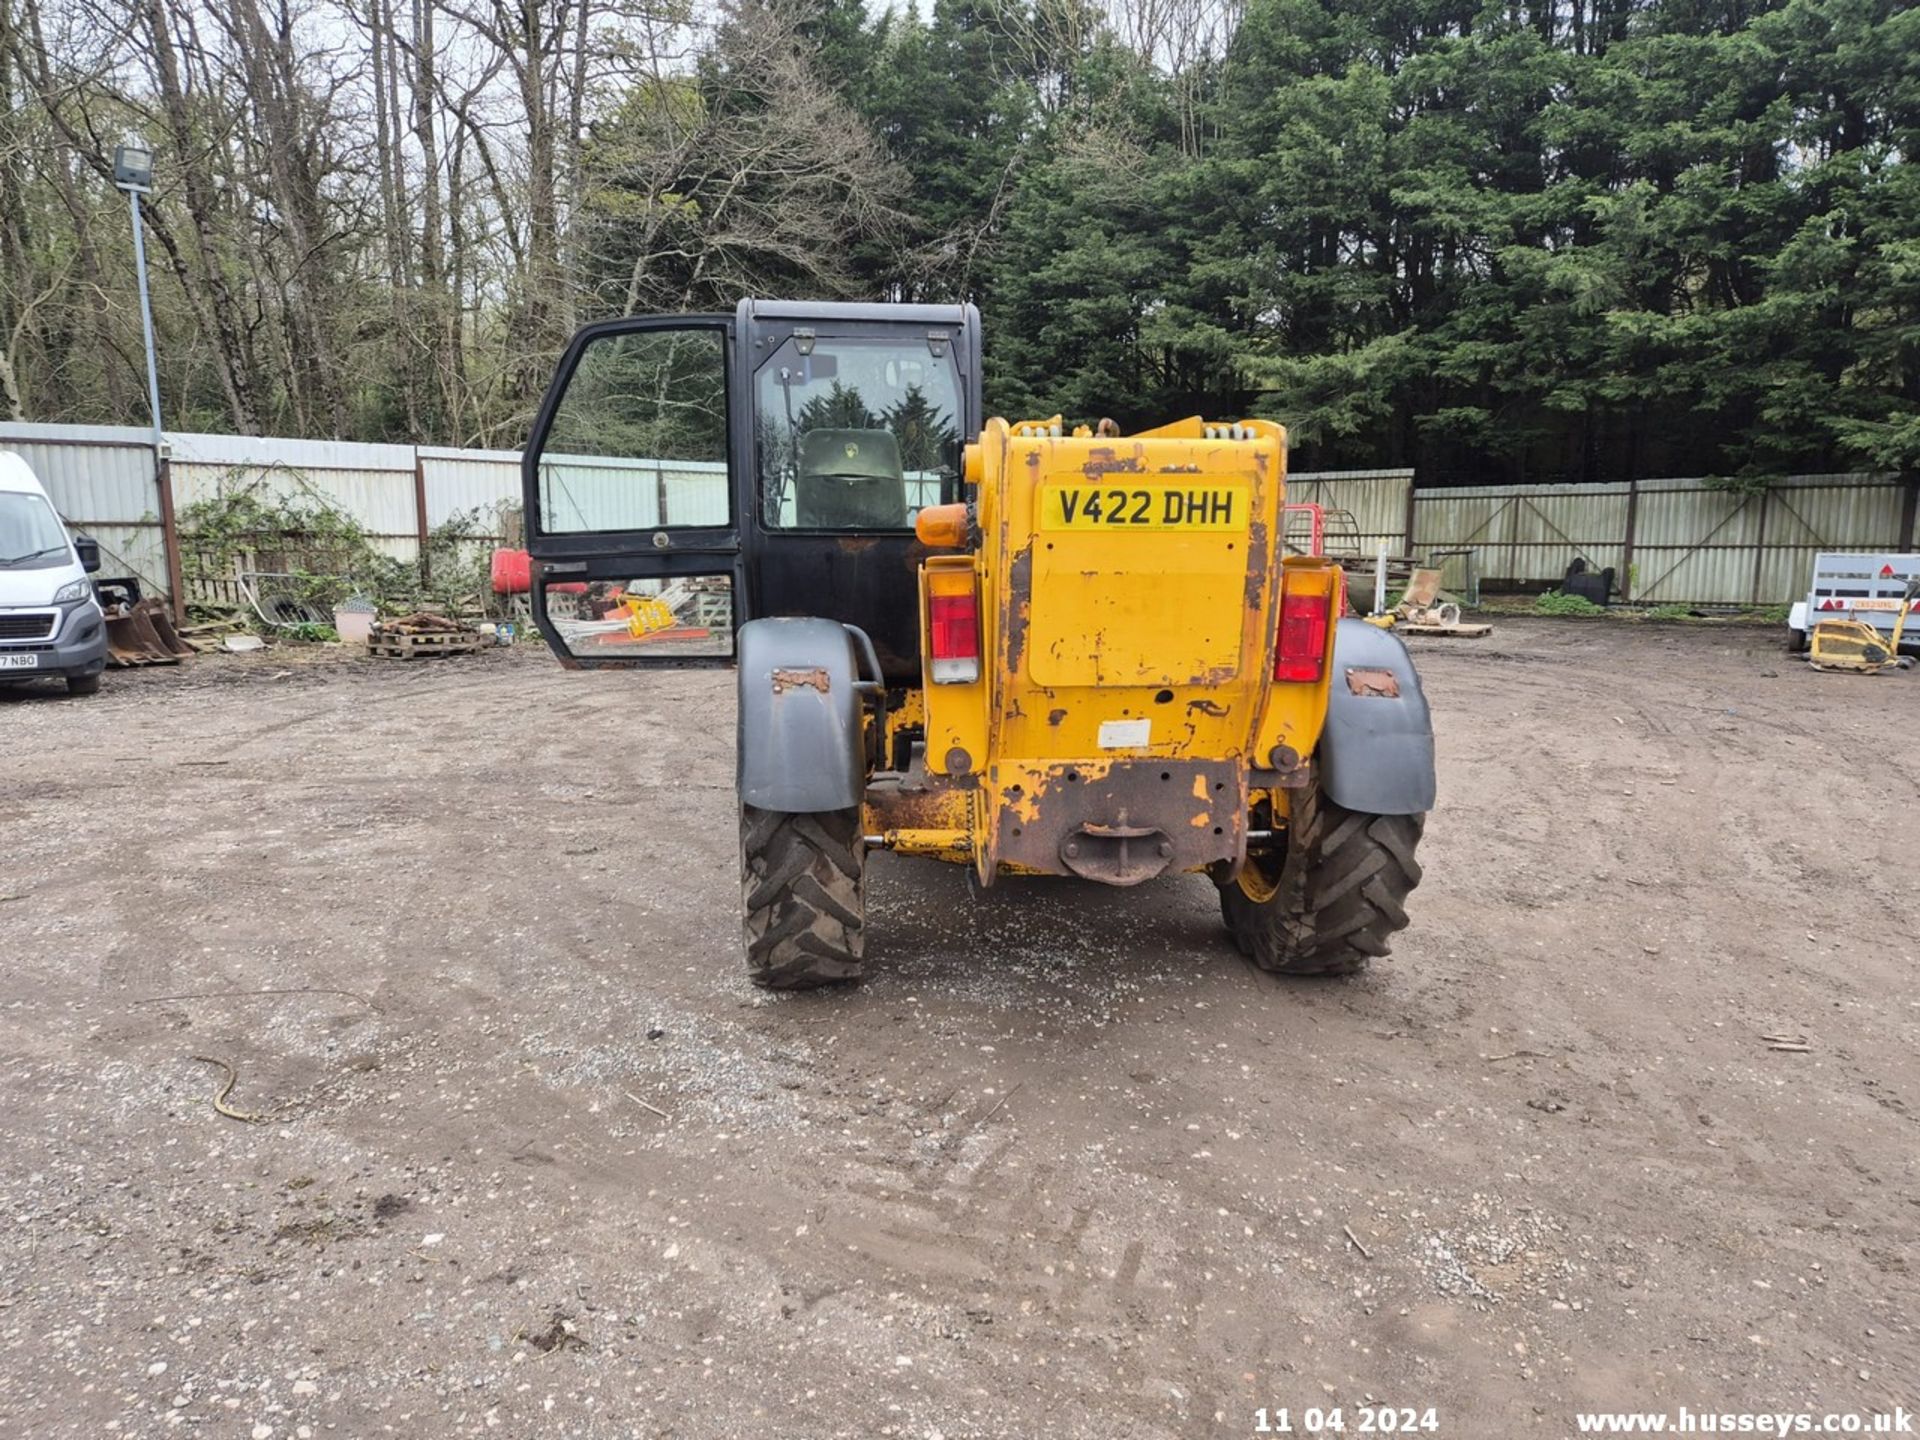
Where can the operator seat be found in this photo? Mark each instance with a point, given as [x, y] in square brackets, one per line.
[850, 480]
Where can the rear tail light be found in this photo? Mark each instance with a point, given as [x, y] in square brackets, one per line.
[953, 628]
[1301, 653]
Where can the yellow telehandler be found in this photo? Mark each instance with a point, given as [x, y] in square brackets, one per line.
[1028, 648]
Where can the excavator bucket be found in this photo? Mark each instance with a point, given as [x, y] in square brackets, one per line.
[143, 634]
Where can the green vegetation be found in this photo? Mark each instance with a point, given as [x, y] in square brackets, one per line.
[320, 557]
[1559, 604]
[1540, 241]
[1555, 602]
[317, 555]
[1545, 240]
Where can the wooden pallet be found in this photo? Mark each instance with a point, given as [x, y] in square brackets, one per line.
[1461, 632]
[425, 645]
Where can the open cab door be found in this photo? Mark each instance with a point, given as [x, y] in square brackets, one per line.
[632, 519]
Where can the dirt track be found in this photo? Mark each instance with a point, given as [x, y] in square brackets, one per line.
[1064, 1167]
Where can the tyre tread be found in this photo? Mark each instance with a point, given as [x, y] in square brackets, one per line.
[1342, 892]
[803, 897]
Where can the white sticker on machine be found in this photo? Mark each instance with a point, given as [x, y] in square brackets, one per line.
[1125, 734]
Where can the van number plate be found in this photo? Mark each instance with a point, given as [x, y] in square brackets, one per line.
[28, 661]
[1152, 506]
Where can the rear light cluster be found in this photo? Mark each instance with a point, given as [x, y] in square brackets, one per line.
[1301, 653]
[953, 627]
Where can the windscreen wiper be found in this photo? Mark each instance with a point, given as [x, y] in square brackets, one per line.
[33, 554]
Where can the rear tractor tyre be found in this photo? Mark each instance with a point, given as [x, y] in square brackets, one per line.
[1340, 891]
[803, 884]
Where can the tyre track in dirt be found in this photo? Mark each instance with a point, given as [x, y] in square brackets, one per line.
[1064, 1155]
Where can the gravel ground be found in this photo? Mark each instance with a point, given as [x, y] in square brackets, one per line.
[535, 1159]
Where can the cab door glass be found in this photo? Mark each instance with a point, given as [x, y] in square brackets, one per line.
[648, 617]
[855, 435]
[639, 438]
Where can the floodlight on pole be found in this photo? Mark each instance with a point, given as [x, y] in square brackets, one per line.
[133, 173]
[133, 165]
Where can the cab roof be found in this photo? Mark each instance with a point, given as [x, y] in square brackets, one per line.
[830, 311]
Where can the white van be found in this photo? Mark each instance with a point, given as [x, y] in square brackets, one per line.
[50, 622]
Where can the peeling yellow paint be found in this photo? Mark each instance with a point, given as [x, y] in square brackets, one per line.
[1165, 623]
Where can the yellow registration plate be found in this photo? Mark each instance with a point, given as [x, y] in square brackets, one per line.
[1147, 505]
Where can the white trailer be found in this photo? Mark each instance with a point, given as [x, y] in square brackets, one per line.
[1868, 588]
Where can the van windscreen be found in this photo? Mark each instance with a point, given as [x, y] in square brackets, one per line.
[31, 535]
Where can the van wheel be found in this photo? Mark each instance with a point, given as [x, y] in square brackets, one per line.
[1796, 642]
[803, 883]
[1327, 906]
[84, 684]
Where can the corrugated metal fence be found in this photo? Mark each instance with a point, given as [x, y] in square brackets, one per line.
[1673, 540]
[104, 481]
[107, 482]
[1669, 541]
[1376, 499]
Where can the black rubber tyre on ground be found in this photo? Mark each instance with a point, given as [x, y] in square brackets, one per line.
[84, 684]
[803, 880]
[1796, 642]
[1328, 907]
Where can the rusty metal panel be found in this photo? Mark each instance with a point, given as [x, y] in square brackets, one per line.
[1365, 681]
[1118, 821]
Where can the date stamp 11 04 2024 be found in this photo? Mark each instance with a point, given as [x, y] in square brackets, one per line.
[1346, 1420]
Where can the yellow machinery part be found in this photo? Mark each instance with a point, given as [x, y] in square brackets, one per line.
[1125, 714]
[646, 614]
[1848, 645]
[1856, 645]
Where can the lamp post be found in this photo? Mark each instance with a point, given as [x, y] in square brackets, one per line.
[133, 173]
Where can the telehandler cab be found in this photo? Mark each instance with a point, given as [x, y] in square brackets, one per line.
[1026, 648]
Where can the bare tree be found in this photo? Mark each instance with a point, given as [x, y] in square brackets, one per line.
[757, 182]
[384, 217]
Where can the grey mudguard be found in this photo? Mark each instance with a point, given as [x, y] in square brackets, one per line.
[799, 717]
[1376, 755]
